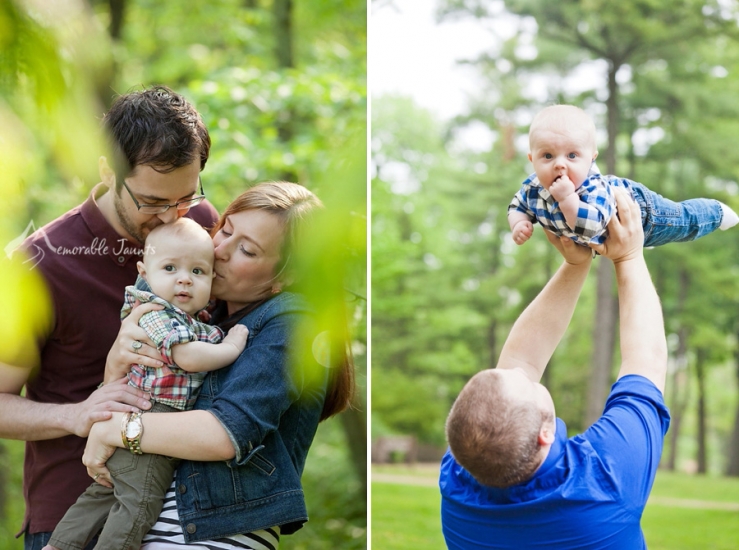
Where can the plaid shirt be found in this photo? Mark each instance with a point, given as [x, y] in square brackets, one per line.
[597, 205]
[168, 327]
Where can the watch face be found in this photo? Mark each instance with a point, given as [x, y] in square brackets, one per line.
[133, 430]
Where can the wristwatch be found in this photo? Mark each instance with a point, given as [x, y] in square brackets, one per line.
[131, 431]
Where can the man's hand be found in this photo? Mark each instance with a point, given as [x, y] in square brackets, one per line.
[116, 396]
[522, 231]
[122, 355]
[625, 239]
[574, 254]
[562, 188]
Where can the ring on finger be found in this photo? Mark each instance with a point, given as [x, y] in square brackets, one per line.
[96, 476]
[136, 345]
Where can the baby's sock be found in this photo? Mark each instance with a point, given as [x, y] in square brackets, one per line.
[729, 219]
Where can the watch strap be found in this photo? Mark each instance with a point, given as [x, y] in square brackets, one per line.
[134, 445]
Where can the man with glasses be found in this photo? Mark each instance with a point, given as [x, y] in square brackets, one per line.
[87, 257]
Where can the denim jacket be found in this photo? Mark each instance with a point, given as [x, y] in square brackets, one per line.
[271, 413]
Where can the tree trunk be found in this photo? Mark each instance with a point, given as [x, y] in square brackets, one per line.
[701, 412]
[104, 78]
[732, 467]
[282, 15]
[117, 15]
[612, 113]
[680, 387]
[604, 340]
[552, 259]
[493, 342]
[354, 422]
[679, 391]
[606, 308]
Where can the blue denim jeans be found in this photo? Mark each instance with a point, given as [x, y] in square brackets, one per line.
[38, 540]
[667, 221]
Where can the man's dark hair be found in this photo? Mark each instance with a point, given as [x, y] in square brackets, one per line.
[155, 127]
[491, 435]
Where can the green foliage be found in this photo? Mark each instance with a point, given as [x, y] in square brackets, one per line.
[59, 72]
[11, 514]
[337, 513]
[242, 108]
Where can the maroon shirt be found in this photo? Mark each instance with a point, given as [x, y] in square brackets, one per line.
[87, 267]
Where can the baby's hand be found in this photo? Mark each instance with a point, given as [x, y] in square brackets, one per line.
[562, 188]
[522, 231]
[237, 336]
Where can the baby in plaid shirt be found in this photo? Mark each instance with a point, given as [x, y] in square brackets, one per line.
[176, 273]
[568, 196]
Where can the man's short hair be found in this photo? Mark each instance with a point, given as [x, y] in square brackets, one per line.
[155, 127]
[493, 435]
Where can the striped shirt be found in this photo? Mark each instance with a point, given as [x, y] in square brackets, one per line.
[166, 534]
[597, 206]
[168, 327]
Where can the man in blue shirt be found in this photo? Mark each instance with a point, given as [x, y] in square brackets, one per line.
[513, 479]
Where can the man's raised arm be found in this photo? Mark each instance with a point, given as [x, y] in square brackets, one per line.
[643, 342]
[539, 329]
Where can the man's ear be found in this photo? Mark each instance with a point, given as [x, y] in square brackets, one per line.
[142, 269]
[107, 175]
[546, 436]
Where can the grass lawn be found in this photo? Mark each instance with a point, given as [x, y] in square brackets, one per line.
[405, 512]
[405, 516]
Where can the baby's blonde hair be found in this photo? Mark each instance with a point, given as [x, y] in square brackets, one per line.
[563, 116]
[189, 231]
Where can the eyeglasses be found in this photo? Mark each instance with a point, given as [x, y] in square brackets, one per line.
[161, 208]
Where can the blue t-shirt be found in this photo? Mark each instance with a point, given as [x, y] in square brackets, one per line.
[590, 491]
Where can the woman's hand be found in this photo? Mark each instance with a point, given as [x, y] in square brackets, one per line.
[123, 353]
[574, 254]
[101, 444]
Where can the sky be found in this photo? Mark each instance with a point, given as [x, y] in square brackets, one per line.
[411, 54]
